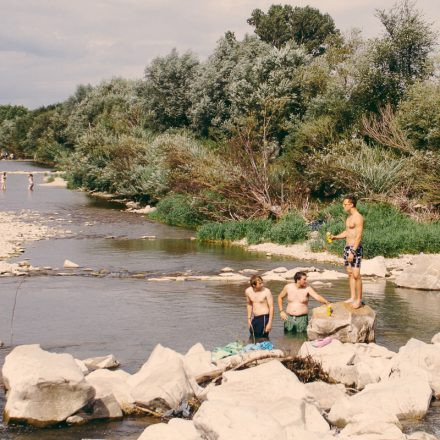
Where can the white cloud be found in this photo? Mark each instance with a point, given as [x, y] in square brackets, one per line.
[47, 47]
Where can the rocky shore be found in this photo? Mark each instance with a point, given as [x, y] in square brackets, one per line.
[368, 392]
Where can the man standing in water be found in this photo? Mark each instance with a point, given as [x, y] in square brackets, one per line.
[296, 316]
[353, 251]
[3, 180]
[259, 305]
[31, 182]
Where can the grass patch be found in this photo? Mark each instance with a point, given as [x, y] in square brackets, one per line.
[387, 231]
[177, 210]
[289, 229]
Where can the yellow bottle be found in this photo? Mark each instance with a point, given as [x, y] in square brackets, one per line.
[328, 237]
[329, 310]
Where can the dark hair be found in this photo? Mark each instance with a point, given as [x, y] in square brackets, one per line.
[298, 276]
[351, 199]
[254, 279]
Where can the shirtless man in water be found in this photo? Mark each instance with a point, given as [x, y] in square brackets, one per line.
[353, 251]
[259, 305]
[296, 316]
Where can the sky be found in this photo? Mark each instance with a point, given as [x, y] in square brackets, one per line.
[48, 47]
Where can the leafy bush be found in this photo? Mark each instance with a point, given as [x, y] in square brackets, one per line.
[177, 210]
[289, 229]
[387, 232]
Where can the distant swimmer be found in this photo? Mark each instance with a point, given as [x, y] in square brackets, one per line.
[296, 316]
[259, 305]
[3, 180]
[353, 251]
[31, 182]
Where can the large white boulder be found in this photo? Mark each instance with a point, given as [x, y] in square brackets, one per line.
[424, 273]
[407, 398]
[162, 383]
[417, 357]
[436, 339]
[113, 382]
[325, 394]
[345, 323]
[197, 361]
[103, 407]
[33, 376]
[175, 429]
[374, 267]
[260, 402]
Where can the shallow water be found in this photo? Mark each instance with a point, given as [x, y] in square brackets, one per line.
[89, 316]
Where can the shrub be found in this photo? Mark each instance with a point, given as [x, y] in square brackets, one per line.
[290, 229]
[387, 231]
[177, 210]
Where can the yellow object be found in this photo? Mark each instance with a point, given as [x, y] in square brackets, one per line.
[327, 237]
[329, 310]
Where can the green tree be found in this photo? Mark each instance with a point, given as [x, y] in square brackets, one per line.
[305, 25]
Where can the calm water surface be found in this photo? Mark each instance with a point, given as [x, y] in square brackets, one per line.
[91, 316]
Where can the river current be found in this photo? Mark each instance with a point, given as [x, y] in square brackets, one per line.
[114, 312]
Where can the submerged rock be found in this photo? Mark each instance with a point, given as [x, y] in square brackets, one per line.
[345, 323]
[32, 376]
[424, 273]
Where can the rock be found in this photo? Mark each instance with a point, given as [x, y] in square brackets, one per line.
[175, 429]
[227, 269]
[326, 275]
[113, 382]
[407, 398]
[70, 264]
[417, 357]
[1, 344]
[149, 237]
[266, 401]
[82, 366]
[374, 267]
[272, 276]
[345, 323]
[103, 408]
[325, 394]
[23, 264]
[32, 376]
[96, 363]
[197, 361]
[436, 339]
[423, 274]
[237, 359]
[419, 435]
[145, 210]
[279, 270]
[249, 271]
[161, 384]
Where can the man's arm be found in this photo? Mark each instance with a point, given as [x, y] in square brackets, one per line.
[317, 296]
[269, 299]
[339, 236]
[249, 309]
[281, 296]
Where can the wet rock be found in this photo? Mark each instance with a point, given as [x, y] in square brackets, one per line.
[407, 398]
[99, 362]
[424, 273]
[227, 269]
[329, 275]
[32, 375]
[279, 270]
[374, 267]
[113, 382]
[161, 384]
[70, 264]
[345, 323]
[175, 429]
[249, 271]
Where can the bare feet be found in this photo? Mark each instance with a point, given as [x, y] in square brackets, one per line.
[349, 300]
[356, 304]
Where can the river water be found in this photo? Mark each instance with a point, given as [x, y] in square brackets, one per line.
[113, 312]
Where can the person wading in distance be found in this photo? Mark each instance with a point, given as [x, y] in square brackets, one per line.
[353, 251]
[259, 305]
[298, 293]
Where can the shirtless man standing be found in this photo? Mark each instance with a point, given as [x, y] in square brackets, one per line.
[259, 305]
[296, 316]
[353, 251]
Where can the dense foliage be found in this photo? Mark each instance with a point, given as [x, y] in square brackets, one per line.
[281, 121]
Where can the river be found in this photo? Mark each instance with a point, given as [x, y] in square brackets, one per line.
[114, 312]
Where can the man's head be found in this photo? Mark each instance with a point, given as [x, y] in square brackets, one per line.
[348, 203]
[300, 279]
[256, 282]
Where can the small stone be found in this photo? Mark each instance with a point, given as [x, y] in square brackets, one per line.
[279, 270]
[227, 269]
[149, 237]
[70, 264]
[249, 271]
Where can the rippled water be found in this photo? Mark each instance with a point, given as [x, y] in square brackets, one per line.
[90, 316]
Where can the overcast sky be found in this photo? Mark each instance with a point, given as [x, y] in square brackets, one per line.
[47, 47]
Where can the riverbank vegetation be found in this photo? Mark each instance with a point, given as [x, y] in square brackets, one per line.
[255, 140]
